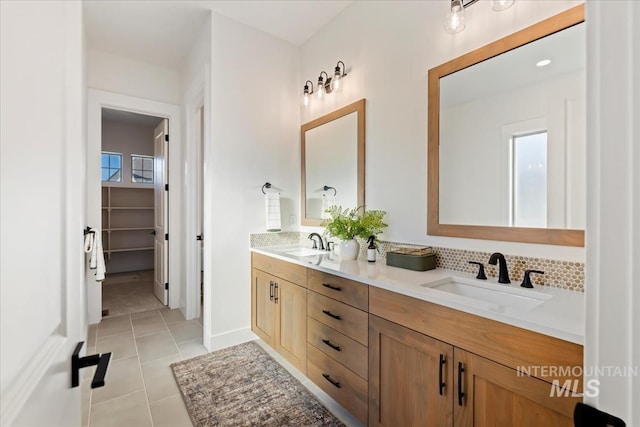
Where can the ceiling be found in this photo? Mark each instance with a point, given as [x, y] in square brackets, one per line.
[162, 32]
[127, 117]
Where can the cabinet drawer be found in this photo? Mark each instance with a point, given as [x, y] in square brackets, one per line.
[339, 347]
[341, 317]
[345, 290]
[348, 389]
[285, 270]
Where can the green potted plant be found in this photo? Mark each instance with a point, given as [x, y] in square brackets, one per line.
[347, 224]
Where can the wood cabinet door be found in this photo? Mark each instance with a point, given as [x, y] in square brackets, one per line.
[263, 308]
[405, 377]
[291, 303]
[495, 395]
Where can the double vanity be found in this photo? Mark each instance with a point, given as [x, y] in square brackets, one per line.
[435, 348]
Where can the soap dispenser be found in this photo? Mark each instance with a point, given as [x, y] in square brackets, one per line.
[371, 249]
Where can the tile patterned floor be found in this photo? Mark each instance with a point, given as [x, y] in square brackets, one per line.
[128, 293]
[140, 389]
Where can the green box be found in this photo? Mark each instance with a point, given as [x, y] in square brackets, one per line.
[411, 262]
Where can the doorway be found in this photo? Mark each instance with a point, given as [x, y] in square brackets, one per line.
[133, 210]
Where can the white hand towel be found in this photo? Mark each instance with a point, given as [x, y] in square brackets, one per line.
[96, 262]
[328, 200]
[88, 243]
[272, 211]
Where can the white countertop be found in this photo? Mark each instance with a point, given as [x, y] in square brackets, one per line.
[560, 314]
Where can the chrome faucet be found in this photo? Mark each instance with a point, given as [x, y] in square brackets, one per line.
[320, 243]
[503, 273]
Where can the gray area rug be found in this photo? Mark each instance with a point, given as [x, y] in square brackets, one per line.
[244, 386]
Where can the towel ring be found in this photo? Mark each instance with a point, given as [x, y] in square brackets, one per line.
[267, 185]
[326, 188]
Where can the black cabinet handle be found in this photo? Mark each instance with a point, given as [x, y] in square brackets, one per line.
[335, 288]
[330, 344]
[331, 380]
[270, 290]
[460, 392]
[275, 293]
[440, 382]
[330, 314]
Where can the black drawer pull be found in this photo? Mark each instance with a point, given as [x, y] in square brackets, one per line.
[440, 382]
[270, 290]
[335, 288]
[330, 344]
[460, 393]
[330, 314]
[331, 380]
[275, 292]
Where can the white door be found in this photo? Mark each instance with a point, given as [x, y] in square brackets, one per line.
[161, 243]
[42, 211]
[200, 213]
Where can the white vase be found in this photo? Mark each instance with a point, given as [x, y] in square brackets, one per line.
[349, 249]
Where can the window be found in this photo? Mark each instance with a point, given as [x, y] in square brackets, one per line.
[142, 169]
[111, 164]
[529, 180]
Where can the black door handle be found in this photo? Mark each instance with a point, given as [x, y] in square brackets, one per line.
[199, 237]
[330, 344]
[331, 380]
[78, 363]
[440, 382]
[330, 314]
[153, 232]
[460, 392]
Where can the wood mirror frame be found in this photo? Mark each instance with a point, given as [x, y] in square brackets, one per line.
[359, 108]
[547, 236]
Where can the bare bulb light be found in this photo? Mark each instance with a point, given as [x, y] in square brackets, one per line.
[454, 22]
[500, 5]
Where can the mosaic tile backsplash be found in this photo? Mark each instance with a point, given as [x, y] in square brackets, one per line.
[560, 274]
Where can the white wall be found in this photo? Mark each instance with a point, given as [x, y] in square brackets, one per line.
[613, 215]
[127, 139]
[254, 139]
[196, 92]
[118, 74]
[388, 48]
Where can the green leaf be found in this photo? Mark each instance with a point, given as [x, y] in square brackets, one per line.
[346, 224]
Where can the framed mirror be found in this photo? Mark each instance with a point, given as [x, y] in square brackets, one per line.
[507, 135]
[333, 162]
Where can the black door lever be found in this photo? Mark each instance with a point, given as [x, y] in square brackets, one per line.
[78, 363]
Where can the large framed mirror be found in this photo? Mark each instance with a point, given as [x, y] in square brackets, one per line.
[333, 162]
[507, 131]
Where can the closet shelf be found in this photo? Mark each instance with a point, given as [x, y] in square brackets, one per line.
[128, 228]
[150, 248]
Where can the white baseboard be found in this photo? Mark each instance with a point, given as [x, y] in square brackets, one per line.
[228, 339]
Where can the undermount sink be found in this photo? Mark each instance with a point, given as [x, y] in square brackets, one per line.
[489, 295]
[302, 252]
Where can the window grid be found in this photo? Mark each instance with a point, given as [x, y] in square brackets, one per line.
[142, 168]
[111, 167]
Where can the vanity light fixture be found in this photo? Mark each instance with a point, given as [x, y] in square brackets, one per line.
[455, 20]
[325, 83]
[307, 92]
[321, 88]
[338, 75]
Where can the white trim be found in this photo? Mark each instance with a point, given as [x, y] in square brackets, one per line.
[230, 338]
[207, 210]
[20, 390]
[97, 99]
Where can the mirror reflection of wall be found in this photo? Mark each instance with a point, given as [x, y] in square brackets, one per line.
[331, 160]
[512, 137]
